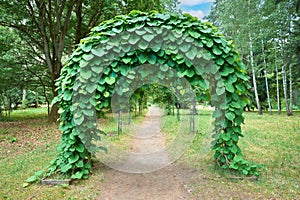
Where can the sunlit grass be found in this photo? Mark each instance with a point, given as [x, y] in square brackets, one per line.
[272, 141]
[24, 114]
[35, 147]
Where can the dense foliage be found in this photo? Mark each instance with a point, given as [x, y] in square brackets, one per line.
[49, 30]
[110, 52]
[266, 32]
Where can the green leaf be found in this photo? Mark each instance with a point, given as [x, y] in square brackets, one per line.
[148, 37]
[235, 104]
[216, 50]
[184, 47]
[100, 88]
[125, 48]
[230, 60]
[164, 68]
[79, 120]
[31, 179]
[88, 57]
[194, 33]
[230, 115]
[209, 42]
[77, 175]
[83, 63]
[67, 95]
[117, 29]
[98, 52]
[86, 47]
[218, 40]
[191, 54]
[203, 84]
[73, 158]
[97, 69]
[142, 58]
[181, 74]
[220, 90]
[143, 44]
[39, 173]
[206, 30]
[229, 87]
[234, 165]
[106, 94]
[126, 60]
[110, 80]
[241, 87]
[245, 172]
[80, 164]
[239, 120]
[233, 149]
[217, 113]
[225, 136]
[80, 147]
[152, 59]
[86, 74]
[206, 55]
[161, 75]
[88, 112]
[220, 61]
[226, 71]
[189, 72]
[141, 32]
[133, 39]
[237, 159]
[235, 137]
[124, 69]
[91, 87]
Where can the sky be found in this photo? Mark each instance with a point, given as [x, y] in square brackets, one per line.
[197, 8]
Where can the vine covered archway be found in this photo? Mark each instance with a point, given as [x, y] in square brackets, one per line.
[194, 49]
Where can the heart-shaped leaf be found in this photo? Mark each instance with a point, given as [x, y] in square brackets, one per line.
[98, 51]
[110, 80]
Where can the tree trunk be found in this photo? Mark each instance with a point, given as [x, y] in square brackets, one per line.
[254, 78]
[283, 72]
[53, 116]
[285, 89]
[277, 83]
[266, 77]
[291, 92]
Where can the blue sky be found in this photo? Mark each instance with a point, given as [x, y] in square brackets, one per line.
[197, 8]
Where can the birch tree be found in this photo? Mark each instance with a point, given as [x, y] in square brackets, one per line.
[266, 76]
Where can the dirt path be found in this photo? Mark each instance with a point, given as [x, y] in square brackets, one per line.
[149, 178]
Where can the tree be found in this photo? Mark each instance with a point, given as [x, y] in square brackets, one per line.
[278, 23]
[51, 27]
[241, 27]
[11, 75]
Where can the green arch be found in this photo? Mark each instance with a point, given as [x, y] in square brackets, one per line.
[196, 50]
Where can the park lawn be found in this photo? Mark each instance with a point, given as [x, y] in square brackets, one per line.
[27, 144]
[271, 141]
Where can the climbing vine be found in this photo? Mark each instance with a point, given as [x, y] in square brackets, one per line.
[195, 49]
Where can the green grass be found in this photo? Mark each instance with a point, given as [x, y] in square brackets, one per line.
[25, 114]
[35, 147]
[272, 141]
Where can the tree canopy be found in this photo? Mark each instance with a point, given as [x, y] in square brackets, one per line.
[51, 29]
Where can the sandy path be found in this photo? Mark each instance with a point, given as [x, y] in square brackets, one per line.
[147, 155]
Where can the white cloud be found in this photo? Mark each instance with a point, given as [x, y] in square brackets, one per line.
[196, 13]
[193, 2]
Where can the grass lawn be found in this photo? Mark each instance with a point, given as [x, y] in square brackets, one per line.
[272, 141]
[28, 143]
